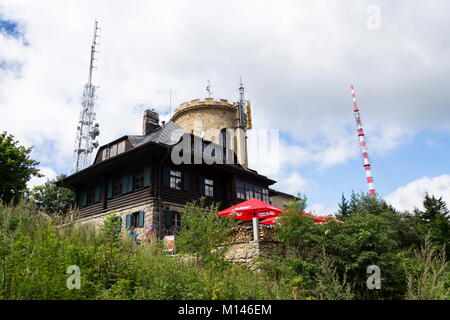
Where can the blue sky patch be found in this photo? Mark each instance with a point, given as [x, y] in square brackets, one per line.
[10, 28]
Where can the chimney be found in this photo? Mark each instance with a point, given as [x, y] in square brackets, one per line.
[150, 122]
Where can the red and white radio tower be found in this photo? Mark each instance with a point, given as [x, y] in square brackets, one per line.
[362, 143]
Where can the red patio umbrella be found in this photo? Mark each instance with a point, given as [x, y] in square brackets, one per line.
[317, 220]
[252, 209]
[249, 209]
[273, 220]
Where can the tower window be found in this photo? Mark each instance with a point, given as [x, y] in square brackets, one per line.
[223, 135]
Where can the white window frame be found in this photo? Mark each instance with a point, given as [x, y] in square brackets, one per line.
[248, 193]
[175, 179]
[265, 195]
[257, 192]
[240, 195]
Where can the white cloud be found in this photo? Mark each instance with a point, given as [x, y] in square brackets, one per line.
[296, 58]
[293, 183]
[48, 173]
[320, 210]
[411, 195]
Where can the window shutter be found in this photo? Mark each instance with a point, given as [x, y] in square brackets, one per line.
[218, 190]
[168, 219]
[129, 182]
[128, 221]
[201, 185]
[97, 193]
[83, 198]
[124, 183]
[146, 176]
[119, 224]
[186, 181]
[166, 176]
[109, 188]
[141, 219]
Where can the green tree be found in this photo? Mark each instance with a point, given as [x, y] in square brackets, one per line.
[299, 203]
[203, 232]
[362, 240]
[16, 168]
[51, 198]
[344, 208]
[434, 219]
[434, 208]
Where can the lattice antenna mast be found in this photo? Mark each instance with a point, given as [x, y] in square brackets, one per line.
[87, 129]
[242, 105]
[362, 144]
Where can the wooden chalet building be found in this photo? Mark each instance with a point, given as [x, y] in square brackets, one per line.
[134, 177]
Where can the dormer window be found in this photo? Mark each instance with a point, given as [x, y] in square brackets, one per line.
[113, 151]
[120, 147]
[105, 153]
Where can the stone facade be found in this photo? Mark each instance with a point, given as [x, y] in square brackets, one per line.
[207, 118]
[151, 216]
[212, 114]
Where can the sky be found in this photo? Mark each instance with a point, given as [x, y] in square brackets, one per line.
[296, 58]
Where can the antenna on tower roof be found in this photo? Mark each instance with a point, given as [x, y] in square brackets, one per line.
[87, 129]
[242, 116]
[208, 88]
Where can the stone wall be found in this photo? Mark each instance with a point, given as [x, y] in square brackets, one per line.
[212, 114]
[209, 117]
[247, 253]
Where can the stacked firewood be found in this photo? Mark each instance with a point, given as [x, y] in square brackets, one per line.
[244, 233]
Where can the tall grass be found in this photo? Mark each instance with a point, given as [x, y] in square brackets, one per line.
[36, 250]
[428, 277]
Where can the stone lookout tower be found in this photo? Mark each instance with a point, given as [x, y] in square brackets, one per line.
[218, 121]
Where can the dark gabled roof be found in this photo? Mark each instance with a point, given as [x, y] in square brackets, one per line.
[166, 136]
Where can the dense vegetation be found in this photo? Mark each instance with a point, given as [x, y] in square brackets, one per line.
[51, 198]
[16, 168]
[327, 261]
